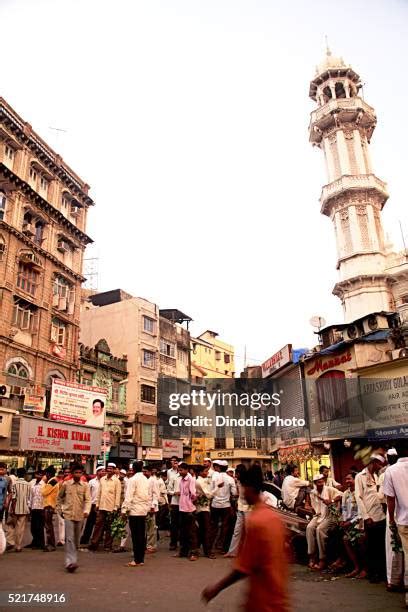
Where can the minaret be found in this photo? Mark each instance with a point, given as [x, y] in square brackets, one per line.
[353, 198]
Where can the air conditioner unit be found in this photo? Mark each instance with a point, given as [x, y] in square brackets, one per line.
[375, 322]
[30, 258]
[399, 353]
[351, 332]
[127, 431]
[75, 210]
[28, 229]
[63, 246]
[5, 390]
[15, 390]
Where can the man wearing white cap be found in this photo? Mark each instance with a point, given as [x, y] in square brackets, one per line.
[396, 490]
[317, 531]
[223, 487]
[107, 503]
[368, 497]
[94, 490]
[208, 465]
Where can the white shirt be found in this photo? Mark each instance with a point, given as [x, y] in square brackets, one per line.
[318, 505]
[290, 489]
[396, 485]
[137, 498]
[94, 485]
[154, 493]
[269, 499]
[37, 499]
[222, 495]
[173, 486]
[368, 496]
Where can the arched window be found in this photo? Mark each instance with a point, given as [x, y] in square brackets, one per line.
[39, 231]
[19, 370]
[3, 201]
[340, 91]
[2, 247]
[327, 93]
[332, 396]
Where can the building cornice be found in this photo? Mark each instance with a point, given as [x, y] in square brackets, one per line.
[44, 205]
[24, 132]
[363, 280]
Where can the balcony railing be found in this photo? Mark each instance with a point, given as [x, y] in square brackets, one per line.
[352, 181]
[341, 104]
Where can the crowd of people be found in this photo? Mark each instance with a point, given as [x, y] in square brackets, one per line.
[362, 525]
[359, 527]
[200, 508]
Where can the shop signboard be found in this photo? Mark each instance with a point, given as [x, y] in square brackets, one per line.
[172, 448]
[34, 401]
[385, 403]
[45, 436]
[76, 403]
[154, 454]
[277, 361]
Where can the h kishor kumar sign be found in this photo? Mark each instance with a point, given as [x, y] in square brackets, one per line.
[78, 404]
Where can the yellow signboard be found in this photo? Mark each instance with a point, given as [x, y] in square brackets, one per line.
[198, 452]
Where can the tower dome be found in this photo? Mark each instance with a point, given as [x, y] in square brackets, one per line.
[330, 61]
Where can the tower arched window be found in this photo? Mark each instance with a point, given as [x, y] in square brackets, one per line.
[340, 91]
[327, 93]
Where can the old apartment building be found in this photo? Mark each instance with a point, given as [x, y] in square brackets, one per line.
[130, 326]
[43, 211]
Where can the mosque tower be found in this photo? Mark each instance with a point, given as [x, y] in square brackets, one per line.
[342, 126]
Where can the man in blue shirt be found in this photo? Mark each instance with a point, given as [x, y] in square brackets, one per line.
[5, 488]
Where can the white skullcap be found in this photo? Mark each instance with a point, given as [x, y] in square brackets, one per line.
[123, 472]
[224, 463]
[379, 458]
[392, 452]
[208, 459]
[100, 467]
[217, 462]
[317, 477]
[112, 465]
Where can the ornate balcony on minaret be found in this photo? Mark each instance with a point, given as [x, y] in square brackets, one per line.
[353, 198]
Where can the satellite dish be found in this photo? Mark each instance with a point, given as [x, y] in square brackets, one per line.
[317, 321]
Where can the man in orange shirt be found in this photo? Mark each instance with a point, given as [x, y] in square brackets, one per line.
[262, 557]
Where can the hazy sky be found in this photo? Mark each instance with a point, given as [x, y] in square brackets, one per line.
[189, 121]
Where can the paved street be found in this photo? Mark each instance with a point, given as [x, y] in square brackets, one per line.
[168, 584]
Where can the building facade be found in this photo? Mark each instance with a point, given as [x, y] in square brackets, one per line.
[211, 355]
[99, 368]
[43, 212]
[130, 326]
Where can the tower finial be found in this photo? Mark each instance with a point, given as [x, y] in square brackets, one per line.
[328, 52]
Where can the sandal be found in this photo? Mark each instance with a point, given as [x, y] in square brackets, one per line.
[133, 564]
[353, 574]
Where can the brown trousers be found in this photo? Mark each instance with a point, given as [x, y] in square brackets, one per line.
[103, 523]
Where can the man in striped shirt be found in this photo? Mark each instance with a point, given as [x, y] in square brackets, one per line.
[19, 510]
